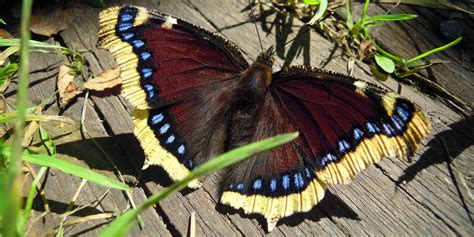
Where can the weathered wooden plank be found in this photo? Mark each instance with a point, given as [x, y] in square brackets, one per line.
[369, 205]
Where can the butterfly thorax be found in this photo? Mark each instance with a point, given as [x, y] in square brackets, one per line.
[258, 76]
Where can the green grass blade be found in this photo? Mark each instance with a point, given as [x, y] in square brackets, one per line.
[11, 216]
[47, 142]
[390, 17]
[311, 2]
[123, 223]
[364, 12]
[66, 167]
[10, 117]
[435, 50]
[31, 195]
[321, 10]
[33, 44]
[349, 15]
[389, 55]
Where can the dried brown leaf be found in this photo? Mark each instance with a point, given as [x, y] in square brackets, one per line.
[52, 19]
[106, 80]
[5, 34]
[366, 49]
[30, 132]
[66, 86]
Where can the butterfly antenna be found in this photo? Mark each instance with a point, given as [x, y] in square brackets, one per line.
[255, 23]
[305, 31]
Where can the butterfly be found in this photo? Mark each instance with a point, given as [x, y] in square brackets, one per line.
[191, 90]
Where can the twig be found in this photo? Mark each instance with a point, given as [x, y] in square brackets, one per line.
[69, 207]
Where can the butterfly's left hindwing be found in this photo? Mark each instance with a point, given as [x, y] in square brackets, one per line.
[170, 70]
[345, 125]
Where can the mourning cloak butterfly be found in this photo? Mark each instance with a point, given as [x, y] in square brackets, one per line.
[186, 86]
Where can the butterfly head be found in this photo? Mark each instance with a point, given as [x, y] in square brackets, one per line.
[258, 76]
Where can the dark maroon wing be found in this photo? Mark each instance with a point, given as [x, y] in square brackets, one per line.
[173, 72]
[344, 124]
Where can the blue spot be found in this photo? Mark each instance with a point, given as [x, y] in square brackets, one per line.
[371, 127]
[240, 186]
[157, 118]
[170, 139]
[358, 134]
[190, 163]
[127, 36]
[181, 149]
[273, 185]
[148, 87]
[257, 184]
[145, 55]
[343, 146]
[164, 128]
[138, 43]
[388, 129]
[126, 17]
[231, 186]
[403, 113]
[286, 182]
[146, 72]
[327, 159]
[150, 90]
[299, 181]
[125, 26]
[398, 123]
[308, 173]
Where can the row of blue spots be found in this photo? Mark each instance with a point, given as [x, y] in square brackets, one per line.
[390, 127]
[126, 19]
[158, 118]
[285, 184]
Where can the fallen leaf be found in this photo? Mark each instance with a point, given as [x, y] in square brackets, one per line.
[5, 34]
[29, 133]
[106, 80]
[52, 19]
[66, 86]
[366, 49]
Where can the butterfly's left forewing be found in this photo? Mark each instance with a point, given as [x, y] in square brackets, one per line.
[344, 124]
[179, 79]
